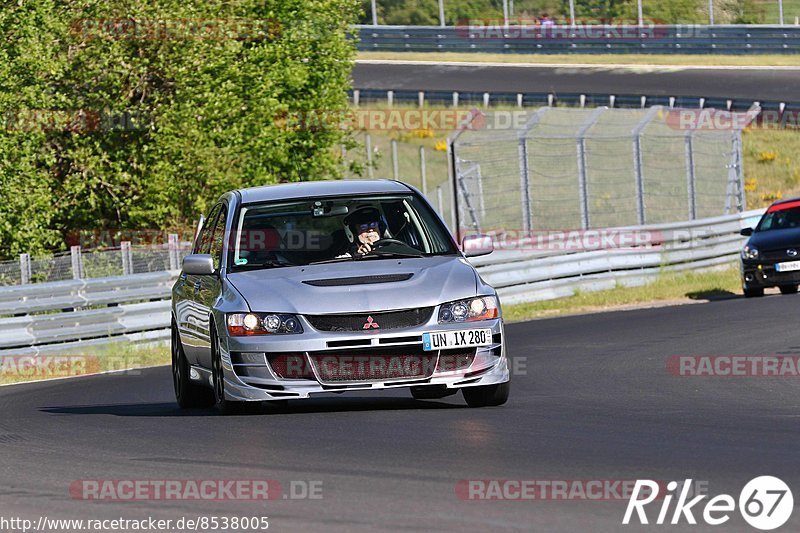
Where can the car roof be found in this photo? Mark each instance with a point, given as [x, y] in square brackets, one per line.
[788, 200]
[312, 189]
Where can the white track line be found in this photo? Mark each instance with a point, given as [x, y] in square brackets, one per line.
[597, 66]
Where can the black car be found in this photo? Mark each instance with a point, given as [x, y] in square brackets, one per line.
[771, 257]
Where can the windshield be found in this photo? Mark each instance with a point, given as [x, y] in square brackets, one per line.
[780, 219]
[307, 231]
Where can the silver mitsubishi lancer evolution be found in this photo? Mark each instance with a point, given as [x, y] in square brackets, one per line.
[333, 286]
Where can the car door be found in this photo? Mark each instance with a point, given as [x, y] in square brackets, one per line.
[210, 288]
[191, 319]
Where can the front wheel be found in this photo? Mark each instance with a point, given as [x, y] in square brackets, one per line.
[225, 406]
[189, 395]
[751, 293]
[487, 395]
[788, 289]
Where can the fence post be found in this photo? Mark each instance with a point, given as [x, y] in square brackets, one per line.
[439, 199]
[368, 146]
[24, 269]
[583, 182]
[77, 262]
[127, 258]
[690, 176]
[524, 181]
[395, 168]
[423, 171]
[174, 252]
[637, 162]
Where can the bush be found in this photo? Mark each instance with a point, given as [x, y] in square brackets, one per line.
[196, 111]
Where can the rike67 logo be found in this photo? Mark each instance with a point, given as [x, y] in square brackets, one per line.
[765, 503]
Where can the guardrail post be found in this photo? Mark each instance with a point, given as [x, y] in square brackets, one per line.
[368, 146]
[455, 98]
[356, 97]
[174, 251]
[127, 258]
[421, 98]
[485, 99]
[690, 175]
[395, 168]
[423, 171]
[77, 262]
[24, 269]
[389, 98]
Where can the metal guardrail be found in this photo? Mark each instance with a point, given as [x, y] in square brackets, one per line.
[58, 316]
[619, 39]
[531, 273]
[485, 100]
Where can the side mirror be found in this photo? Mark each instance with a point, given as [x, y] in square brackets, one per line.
[746, 232]
[198, 264]
[477, 245]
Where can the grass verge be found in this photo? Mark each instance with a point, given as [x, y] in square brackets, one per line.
[677, 287]
[767, 60]
[76, 362]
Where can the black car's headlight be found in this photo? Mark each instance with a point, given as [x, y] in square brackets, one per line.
[749, 252]
[246, 324]
[469, 310]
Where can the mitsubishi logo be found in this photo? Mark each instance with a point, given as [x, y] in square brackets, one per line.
[791, 252]
[370, 323]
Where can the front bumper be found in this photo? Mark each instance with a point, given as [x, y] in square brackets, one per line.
[249, 376]
[757, 275]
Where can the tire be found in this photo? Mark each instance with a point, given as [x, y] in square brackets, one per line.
[189, 395]
[226, 407]
[487, 395]
[788, 289]
[751, 293]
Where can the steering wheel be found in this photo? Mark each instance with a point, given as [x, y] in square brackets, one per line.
[380, 243]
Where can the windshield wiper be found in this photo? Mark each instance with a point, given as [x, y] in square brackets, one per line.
[380, 254]
[265, 264]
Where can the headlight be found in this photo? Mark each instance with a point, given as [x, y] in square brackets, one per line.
[244, 324]
[749, 252]
[469, 310]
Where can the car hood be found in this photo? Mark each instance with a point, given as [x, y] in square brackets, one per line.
[778, 238]
[432, 280]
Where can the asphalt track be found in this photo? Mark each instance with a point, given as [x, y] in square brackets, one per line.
[765, 84]
[594, 402]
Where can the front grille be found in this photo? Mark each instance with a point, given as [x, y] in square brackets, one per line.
[293, 365]
[375, 322]
[387, 364]
[381, 364]
[779, 255]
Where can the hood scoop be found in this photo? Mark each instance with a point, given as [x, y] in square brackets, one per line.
[358, 280]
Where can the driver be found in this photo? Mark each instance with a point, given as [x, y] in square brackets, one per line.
[363, 228]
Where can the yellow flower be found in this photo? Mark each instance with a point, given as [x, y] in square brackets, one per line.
[750, 184]
[440, 146]
[767, 157]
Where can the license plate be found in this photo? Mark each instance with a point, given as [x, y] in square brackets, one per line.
[467, 338]
[787, 267]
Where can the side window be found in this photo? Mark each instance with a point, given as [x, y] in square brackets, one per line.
[218, 237]
[203, 245]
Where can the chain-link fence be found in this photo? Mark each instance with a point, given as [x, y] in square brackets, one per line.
[95, 263]
[562, 168]
[418, 158]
